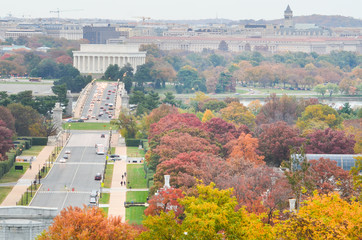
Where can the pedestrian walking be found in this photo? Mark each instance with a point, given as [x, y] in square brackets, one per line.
[125, 173]
[122, 176]
[124, 183]
[121, 183]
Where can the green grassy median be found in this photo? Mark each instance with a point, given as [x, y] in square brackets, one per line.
[136, 176]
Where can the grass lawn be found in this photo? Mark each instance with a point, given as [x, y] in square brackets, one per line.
[113, 150]
[137, 196]
[33, 151]
[4, 191]
[109, 175]
[136, 176]
[135, 152]
[88, 126]
[105, 209]
[104, 199]
[12, 175]
[135, 214]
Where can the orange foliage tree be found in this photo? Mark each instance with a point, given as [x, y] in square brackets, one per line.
[245, 149]
[88, 223]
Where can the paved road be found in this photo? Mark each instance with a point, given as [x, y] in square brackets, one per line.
[101, 94]
[78, 173]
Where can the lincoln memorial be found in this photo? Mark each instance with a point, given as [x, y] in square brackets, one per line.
[95, 58]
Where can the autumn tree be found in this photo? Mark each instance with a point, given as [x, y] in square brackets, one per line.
[245, 149]
[259, 189]
[238, 114]
[329, 141]
[165, 200]
[323, 217]
[328, 177]
[276, 109]
[221, 130]
[127, 124]
[87, 223]
[210, 214]
[208, 115]
[275, 140]
[6, 141]
[173, 121]
[7, 117]
[186, 168]
[156, 114]
[357, 178]
[319, 117]
[24, 116]
[178, 142]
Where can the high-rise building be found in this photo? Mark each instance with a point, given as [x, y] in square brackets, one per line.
[99, 35]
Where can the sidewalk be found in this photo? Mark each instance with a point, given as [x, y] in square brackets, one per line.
[24, 182]
[118, 192]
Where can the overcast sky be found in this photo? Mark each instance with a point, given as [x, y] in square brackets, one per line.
[179, 9]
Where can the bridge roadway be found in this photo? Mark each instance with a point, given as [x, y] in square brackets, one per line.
[80, 169]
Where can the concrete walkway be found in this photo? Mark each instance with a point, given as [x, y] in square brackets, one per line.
[24, 182]
[118, 192]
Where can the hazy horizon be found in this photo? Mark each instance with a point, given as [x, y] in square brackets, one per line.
[180, 10]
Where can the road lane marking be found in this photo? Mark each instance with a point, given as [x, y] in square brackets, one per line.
[75, 174]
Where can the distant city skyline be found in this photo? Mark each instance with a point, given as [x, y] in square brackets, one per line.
[179, 9]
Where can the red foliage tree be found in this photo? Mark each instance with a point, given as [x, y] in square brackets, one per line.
[7, 117]
[173, 121]
[6, 142]
[329, 141]
[221, 130]
[175, 143]
[65, 59]
[275, 140]
[185, 168]
[260, 189]
[164, 201]
[327, 177]
[160, 112]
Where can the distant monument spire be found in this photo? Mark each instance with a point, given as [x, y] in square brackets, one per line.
[288, 18]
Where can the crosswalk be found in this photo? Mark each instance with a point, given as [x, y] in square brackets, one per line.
[59, 192]
[80, 163]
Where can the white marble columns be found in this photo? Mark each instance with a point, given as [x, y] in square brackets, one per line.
[98, 63]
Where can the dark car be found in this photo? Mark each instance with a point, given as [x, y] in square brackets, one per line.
[98, 176]
[102, 135]
[80, 120]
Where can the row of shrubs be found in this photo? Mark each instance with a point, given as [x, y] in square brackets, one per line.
[21, 143]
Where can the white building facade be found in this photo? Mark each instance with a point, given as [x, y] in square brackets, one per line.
[95, 58]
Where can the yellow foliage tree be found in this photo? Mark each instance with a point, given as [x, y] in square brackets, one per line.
[319, 115]
[208, 115]
[210, 214]
[323, 217]
[238, 114]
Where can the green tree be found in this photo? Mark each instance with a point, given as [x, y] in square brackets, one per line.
[320, 88]
[24, 116]
[112, 72]
[170, 99]
[127, 124]
[47, 68]
[332, 88]
[143, 74]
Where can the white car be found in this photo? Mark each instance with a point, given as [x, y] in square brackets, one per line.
[67, 151]
[62, 160]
